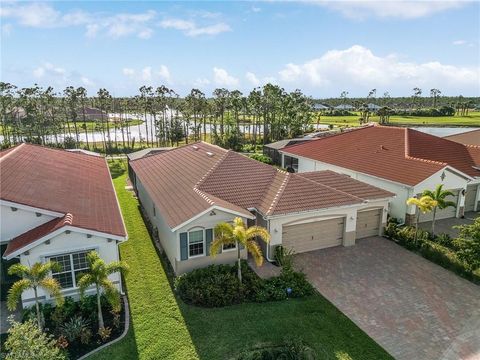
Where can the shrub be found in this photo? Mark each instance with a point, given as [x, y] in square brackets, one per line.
[284, 256]
[27, 341]
[262, 158]
[217, 286]
[290, 350]
[74, 328]
[444, 240]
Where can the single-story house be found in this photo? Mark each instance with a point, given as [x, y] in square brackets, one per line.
[319, 107]
[400, 160]
[467, 138]
[373, 107]
[57, 205]
[272, 150]
[344, 107]
[143, 153]
[187, 191]
[91, 114]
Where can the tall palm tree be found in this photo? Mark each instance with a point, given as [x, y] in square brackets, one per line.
[240, 235]
[34, 277]
[425, 204]
[97, 275]
[439, 195]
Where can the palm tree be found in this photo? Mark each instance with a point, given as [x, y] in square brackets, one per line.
[439, 195]
[239, 234]
[34, 278]
[97, 275]
[425, 204]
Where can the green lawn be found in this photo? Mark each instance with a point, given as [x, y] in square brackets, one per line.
[163, 327]
[473, 119]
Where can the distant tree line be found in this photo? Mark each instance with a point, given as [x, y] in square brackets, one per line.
[228, 118]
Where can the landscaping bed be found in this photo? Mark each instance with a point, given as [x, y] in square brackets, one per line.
[74, 324]
[218, 285]
[440, 249]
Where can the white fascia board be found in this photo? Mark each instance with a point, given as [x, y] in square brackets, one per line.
[214, 207]
[31, 208]
[58, 232]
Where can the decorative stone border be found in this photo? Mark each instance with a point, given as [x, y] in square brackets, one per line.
[125, 331]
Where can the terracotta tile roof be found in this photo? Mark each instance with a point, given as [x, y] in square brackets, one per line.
[36, 233]
[348, 185]
[182, 181]
[466, 138]
[64, 182]
[397, 154]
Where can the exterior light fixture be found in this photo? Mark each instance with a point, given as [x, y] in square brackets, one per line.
[213, 213]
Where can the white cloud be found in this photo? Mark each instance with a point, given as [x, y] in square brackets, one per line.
[6, 29]
[252, 78]
[190, 28]
[48, 69]
[42, 15]
[49, 74]
[459, 42]
[359, 68]
[255, 9]
[148, 75]
[361, 9]
[222, 78]
[86, 81]
[201, 83]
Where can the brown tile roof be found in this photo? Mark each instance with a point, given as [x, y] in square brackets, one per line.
[466, 138]
[397, 154]
[64, 182]
[180, 180]
[36, 233]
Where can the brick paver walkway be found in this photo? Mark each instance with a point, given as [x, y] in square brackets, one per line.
[410, 306]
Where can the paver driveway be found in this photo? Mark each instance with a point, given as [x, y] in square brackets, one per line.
[413, 308]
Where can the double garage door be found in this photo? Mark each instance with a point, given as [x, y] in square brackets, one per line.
[326, 233]
[313, 235]
[449, 212]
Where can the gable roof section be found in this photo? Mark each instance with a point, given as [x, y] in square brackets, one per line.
[187, 181]
[63, 182]
[398, 154]
[37, 233]
[467, 138]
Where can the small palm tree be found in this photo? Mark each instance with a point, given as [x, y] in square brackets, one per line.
[34, 278]
[425, 204]
[239, 234]
[439, 195]
[97, 275]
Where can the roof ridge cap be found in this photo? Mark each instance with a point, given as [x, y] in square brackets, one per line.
[279, 193]
[209, 171]
[331, 187]
[15, 148]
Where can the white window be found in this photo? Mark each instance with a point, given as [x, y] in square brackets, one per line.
[196, 243]
[227, 247]
[72, 266]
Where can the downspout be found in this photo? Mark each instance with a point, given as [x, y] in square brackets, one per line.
[268, 245]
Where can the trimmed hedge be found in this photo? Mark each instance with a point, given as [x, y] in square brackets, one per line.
[433, 249]
[217, 286]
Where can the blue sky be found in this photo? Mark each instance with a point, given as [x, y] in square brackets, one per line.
[320, 47]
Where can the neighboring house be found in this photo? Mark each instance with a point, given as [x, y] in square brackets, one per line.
[466, 138]
[187, 191]
[373, 107]
[272, 150]
[92, 114]
[344, 107]
[58, 205]
[319, 107]
[401, 160]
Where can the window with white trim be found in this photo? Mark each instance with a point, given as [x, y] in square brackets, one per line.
[196, 243]
[227, 247]
[72, 266]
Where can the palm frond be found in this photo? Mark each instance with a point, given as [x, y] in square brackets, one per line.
[16, 291]
[258, 231]
[239, 222]
[117, 266]
[111, 293]
[217, 244]
[18, 270]
[256, 252]
[445, 204]
[223, 230]
[52, 286]
[85, 281]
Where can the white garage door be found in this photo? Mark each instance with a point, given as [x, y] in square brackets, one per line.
[368, 223]
[449, 212]
[313, 235]
[470, 197]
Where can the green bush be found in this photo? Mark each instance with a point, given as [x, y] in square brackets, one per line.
[262, 158]
[284, 256]
[290, 350]
[218, 285]
[444, 240]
